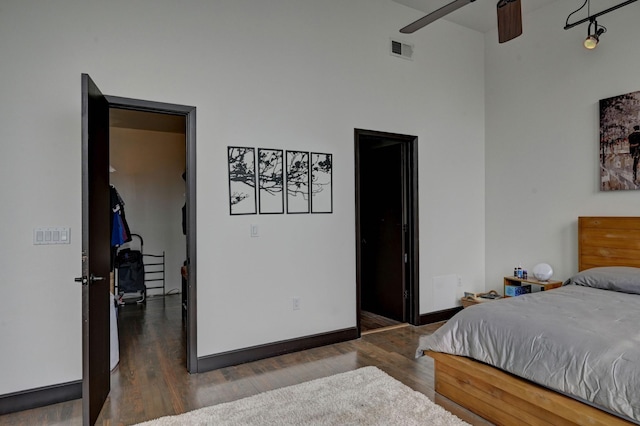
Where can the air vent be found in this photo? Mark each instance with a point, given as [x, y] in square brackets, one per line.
[401, 49]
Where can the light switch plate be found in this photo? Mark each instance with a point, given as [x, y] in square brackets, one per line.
[51, 235]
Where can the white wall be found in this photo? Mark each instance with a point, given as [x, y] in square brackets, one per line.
[542, 135]
[291, 74]
[148, 177]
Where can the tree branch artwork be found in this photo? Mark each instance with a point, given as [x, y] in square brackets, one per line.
[270, 181]
[242, 180]
[321, 183]
[297, 182]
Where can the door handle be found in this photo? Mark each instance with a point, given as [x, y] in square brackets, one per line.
[92, 278]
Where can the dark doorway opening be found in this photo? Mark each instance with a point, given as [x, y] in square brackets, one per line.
[147, 163]
[96, 247]
[386, 229]
[155, 110]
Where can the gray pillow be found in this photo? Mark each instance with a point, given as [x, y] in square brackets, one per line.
[624, 279]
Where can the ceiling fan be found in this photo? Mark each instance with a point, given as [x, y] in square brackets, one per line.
[509, 18]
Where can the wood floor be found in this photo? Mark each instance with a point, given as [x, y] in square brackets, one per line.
[151, 380]
[371, 322]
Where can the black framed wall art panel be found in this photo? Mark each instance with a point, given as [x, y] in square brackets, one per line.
[321, 183]
[297, 182]
[242, 180]
[270, 181]
[620, 142]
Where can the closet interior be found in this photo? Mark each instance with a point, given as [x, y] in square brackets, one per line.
[147, 157]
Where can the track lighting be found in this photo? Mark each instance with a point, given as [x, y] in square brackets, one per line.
[594, 31]
[593, 37]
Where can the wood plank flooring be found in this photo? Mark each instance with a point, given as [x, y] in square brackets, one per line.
[151, 380]
[370, 322]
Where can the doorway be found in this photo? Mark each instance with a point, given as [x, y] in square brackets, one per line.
[154, 110]
[147, 163]
[96, 238]
[386, 229]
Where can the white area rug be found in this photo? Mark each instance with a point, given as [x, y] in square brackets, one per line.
[366, 396]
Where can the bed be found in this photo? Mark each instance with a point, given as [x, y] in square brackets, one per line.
[580, 365]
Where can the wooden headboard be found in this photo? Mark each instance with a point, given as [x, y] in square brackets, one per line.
[608, 241]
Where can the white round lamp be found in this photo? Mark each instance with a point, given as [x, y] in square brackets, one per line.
[542, 271]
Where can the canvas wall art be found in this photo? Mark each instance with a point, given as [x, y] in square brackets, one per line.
[321, 183]
[270, 181]
[297, 182]
[620, 142]
[242, 180]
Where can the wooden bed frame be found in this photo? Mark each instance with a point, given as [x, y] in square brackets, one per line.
[505, 399]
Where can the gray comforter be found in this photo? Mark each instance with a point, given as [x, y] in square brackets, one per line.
[583, 342]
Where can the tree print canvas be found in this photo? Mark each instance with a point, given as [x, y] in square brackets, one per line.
[270, 181]
[321, 183]
[242, 180]
[297, 182]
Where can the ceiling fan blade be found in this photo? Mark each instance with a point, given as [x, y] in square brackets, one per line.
[435, 15]
[509, 20]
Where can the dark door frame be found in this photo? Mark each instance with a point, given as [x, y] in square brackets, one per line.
[410, 201]
[189, 112]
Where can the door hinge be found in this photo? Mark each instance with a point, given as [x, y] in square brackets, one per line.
[406, 294]
[404, 227]
[406, 258]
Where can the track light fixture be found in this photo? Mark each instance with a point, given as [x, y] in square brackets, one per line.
[594, 31]
[593, 34]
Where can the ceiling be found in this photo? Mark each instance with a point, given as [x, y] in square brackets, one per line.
[481, 14]
[140, 120]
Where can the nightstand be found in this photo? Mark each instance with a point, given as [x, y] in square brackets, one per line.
[470, 301]
[533, 284]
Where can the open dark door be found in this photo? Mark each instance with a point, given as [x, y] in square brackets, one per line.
[96, 242]
[387, 252]
[382, 227]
